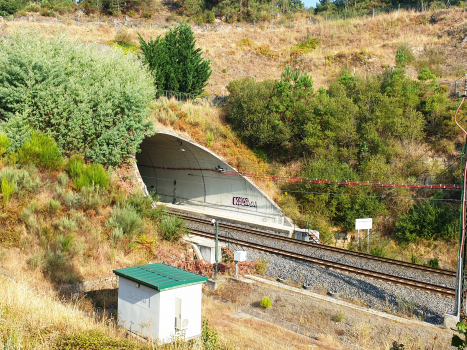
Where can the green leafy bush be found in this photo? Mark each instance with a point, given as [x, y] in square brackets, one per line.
[261, 266]
[175, 62]
[4, 143]
[266, 303]
[172, 227]
[433, 263]
[42, 151]
[457, 341]
[10, 7]
[87, 175]
[428, 220]
[144, 206]
[125, 218]
[92, 102]
[52, 206]
[8, 188]
[209, 337]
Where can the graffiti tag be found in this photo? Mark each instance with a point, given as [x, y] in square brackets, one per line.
[245, 202]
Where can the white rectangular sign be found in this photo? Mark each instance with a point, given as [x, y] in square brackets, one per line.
[363, 224]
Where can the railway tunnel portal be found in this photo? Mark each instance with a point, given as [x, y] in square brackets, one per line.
[188, 176]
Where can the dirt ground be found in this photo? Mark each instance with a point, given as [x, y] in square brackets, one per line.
[336, 325]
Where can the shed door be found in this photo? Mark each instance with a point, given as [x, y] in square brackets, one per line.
[180, 323]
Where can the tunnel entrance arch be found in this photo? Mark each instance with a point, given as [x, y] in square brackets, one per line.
[190, 177]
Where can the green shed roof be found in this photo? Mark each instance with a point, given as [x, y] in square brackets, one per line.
[160, 276]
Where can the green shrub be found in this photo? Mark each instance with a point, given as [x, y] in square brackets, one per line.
[10, 7]
[339, 317]
[308, 45]
[92, 197]
[144, 206]
[209, 138]
[266, 303]
[100, 114]
[72, 200]
[173, 227]
[428, 220]
[63, 179]
[57, 266]
[52, 206]
[433, 263]
[87, 175]
[175, 61]
[42, 151]
[4, 143]
[212, 17]
[65, 225]
[8, 188]
[125, 218]
[261, 266]
[209, 337]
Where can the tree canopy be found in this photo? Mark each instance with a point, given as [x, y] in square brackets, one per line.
[175, 61]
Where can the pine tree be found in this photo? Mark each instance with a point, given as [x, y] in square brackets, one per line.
[175, 61]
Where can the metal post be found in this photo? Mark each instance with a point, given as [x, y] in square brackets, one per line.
[373, 12]
[236, 269]
[398, 8]
[422, 6]
[98, 21]
[217, 243]
[358, 238]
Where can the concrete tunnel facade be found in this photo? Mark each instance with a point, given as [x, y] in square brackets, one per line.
[188, 176]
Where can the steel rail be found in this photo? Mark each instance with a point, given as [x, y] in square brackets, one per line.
[325, 247]
[337, 266]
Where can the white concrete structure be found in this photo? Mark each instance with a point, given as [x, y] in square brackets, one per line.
[159, 301]
[187, 175]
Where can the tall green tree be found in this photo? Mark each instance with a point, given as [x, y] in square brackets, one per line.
[175, 61]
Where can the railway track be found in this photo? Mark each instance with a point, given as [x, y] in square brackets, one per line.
[446, 291]
[323, 247]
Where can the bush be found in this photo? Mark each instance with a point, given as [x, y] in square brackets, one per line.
[433, 263]
[72, 200]
[261, 266]
[144, 206]
[127, 219]
[42, 151]
[100, 114]
[4, 143]
[428, 220]
[8, 188]
[175, 62]
[266, 303]
[52, 206]
[65, 225]
[172, 227]
[87, 175]
[92, 198]
[209, 337]
[10, 7]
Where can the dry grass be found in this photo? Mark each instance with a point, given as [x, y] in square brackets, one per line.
[364, 45]
[250, 333]
[33, 320]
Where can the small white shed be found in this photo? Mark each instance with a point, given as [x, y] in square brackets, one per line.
[160, 301]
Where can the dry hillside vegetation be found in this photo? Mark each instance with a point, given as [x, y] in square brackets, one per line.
[362, 45]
